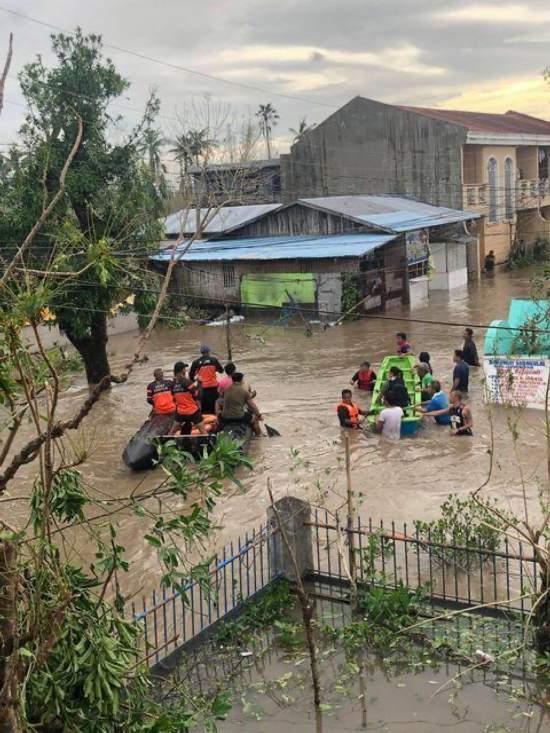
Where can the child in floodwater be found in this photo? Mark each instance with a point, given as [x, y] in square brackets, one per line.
[364, 378]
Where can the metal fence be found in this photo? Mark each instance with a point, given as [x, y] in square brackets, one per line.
[389, 555]
[171, 619]
[385, 554]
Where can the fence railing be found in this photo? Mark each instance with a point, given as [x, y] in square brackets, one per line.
[172, 618]
[388, 554]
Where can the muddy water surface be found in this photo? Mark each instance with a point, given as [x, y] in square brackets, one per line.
[299, 379]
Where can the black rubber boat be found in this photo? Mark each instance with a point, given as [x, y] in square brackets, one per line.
[141, 453]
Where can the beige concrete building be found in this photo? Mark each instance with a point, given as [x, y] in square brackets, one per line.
[494, 164]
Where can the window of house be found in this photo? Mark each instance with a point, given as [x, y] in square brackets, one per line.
[419, 269]
[509, 188]
[543, 163]
[492, 177]
[228, 276]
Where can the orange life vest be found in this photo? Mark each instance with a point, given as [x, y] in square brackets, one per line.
[160, 396]
[365, 378]
[184, 397]
[353, 412]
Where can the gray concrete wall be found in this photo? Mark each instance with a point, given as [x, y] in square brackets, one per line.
[370, 147]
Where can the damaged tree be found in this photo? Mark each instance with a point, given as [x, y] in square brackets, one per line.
[107, 221]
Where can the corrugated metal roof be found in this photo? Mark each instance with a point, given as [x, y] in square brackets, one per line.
[224, 220]
[281, 248]
[509, 123]
[392, 213]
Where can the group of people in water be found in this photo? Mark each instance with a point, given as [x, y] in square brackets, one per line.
[394, 399]
[207, 395]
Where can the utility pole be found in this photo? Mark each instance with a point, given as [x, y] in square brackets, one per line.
[228, 332]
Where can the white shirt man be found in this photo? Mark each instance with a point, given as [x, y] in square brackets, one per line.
[389, 422]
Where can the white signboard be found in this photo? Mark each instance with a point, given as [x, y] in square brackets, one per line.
[520, 381]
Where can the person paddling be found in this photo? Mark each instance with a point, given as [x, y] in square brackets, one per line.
[237, 406]
[159, 394]
[185, 393]
[365, 377]
[205, 369]
[348, 412]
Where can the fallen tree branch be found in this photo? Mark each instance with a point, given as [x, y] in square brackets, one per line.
[28, 453]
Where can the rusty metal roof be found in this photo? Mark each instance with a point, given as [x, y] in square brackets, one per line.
[509, 123]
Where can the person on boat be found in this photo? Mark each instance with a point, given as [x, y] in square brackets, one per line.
[185, 391]
[388, 422]
[438, 406]
[426, 378]
[460, 415]
[395, 386]
[205, 369]
[159, 394]
[227, 379]
[237, 406]
[470, 349]
[461, 372]
[424, 358]
[349, 413]
[365, 377]
[403, 346]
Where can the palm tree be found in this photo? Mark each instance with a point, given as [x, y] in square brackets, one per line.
[190, 146]
[151, 148]
[303, 127]
[267, 116]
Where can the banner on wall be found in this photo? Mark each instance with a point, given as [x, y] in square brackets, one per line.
[418, 246]
[518, 381]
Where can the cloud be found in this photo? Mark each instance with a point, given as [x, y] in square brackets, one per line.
[405, 59]
[527, 95]
[494, 14]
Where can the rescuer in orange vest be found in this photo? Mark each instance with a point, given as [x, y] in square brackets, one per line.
[188, 411]
[348, 412]
[159, 394]
[205, 369]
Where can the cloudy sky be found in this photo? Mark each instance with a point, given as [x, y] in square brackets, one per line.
[306, 57]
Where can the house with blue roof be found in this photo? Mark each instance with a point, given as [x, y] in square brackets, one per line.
[320, 252]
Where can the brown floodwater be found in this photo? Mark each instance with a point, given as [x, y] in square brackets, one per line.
[299, 379]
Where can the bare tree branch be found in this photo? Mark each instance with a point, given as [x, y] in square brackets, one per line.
[5, 72]
[49, 208]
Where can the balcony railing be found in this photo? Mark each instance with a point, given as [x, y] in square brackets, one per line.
[529, 193]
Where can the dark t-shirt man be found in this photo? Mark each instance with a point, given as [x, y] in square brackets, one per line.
[461, 376]
[470, 353]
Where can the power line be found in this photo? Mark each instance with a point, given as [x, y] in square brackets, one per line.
[177, 67]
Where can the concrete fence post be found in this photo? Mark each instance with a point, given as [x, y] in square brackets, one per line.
[293, 513]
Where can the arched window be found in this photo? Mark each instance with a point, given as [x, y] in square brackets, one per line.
[492, 177]
[509, 188]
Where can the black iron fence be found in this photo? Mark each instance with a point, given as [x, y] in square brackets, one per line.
[389, 554]
[171, 618]
[386, 554]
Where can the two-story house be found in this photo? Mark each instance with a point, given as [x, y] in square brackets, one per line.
[495, 164]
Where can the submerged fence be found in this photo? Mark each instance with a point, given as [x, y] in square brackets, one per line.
[392, 554]
[386, 555]
[171, 619]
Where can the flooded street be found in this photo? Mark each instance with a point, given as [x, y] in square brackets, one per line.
[299, 380]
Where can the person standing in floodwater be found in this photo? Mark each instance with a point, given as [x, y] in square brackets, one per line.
[403, 346]
[470, 349]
